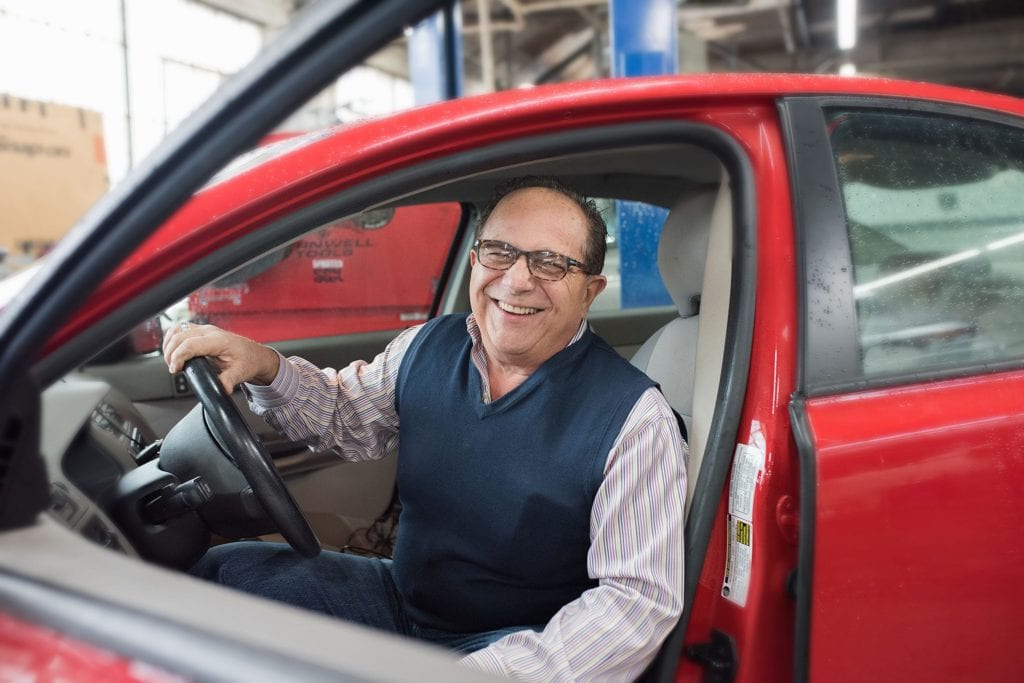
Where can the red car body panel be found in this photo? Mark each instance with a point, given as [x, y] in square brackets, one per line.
[31, 653]
[764, 627]
[927, 475]
[896, 488]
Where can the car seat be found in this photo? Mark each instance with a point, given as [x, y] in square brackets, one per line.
[685, 355]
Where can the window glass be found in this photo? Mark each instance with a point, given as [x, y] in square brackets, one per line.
[631, 261]
[378, 270]
[381, 270]
[936, 227]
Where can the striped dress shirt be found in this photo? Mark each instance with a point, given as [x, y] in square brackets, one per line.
[612, 631]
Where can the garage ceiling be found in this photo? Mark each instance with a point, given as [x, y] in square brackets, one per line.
[970, 43]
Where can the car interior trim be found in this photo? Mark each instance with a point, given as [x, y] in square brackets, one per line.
[24, 487]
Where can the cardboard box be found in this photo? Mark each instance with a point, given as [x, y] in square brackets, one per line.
[52, 168]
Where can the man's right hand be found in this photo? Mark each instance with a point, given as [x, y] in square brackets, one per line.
[239, 359]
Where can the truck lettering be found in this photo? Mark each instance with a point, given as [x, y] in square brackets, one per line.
[327, 248]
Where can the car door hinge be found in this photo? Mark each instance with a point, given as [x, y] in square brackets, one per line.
[718, 658]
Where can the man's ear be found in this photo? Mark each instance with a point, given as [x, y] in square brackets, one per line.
[472, 258]
[595, 286]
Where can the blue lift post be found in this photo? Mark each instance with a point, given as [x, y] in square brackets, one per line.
[435, 57]
[644, 37]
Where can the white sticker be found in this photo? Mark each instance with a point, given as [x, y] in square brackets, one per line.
[747, 471]
[333, 263]
[747, 467]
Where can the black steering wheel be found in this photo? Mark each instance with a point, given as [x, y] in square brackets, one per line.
[250, 457]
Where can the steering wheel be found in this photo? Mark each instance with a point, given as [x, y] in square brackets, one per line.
[249, 456]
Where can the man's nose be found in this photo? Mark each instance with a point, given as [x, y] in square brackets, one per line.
[519, 275]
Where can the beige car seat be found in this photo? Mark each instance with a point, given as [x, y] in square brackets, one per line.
[685, 355]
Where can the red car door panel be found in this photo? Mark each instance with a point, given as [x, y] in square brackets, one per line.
[916, 532]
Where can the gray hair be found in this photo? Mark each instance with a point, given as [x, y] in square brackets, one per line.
[597, 230]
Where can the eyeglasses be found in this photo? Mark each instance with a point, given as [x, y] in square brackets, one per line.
[545, 265]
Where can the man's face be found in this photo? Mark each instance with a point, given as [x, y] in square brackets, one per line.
[525, 320]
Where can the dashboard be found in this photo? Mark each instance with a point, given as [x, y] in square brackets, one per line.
[91, 436]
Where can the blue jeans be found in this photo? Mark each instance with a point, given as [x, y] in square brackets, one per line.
[349, 587]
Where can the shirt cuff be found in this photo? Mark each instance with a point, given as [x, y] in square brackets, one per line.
[280, 391]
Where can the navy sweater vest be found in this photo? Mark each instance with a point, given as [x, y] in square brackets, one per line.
[496, 497]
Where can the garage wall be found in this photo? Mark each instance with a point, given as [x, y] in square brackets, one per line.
[72, 52]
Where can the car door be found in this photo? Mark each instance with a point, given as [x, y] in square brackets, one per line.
[57, 582]
[909, 412]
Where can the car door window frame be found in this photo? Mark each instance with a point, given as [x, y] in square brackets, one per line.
[829, 338]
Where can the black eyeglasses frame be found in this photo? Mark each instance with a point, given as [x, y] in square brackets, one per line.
[517, 252]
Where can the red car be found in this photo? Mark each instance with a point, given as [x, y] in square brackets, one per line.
[843, 332]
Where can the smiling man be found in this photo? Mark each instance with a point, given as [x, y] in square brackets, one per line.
[541, 476]
[529, 309]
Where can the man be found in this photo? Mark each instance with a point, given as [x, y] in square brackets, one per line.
[541, 476]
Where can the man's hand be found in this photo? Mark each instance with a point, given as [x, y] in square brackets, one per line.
[239, 359]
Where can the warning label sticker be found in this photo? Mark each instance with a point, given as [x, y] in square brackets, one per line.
[747, 471]
[738, 559]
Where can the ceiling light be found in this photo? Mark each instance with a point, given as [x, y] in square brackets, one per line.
[846, 24]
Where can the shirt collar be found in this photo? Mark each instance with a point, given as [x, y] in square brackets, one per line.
[474, 332]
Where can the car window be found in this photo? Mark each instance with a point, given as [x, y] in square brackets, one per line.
[375, 271]
[631, 261]
[936, 228]
[380, 270]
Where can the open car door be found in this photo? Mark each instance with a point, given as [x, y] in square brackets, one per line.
[54, 582]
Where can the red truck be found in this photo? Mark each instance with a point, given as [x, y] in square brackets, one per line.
[363, 273]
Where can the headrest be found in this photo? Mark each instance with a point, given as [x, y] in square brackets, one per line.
[683, 247]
